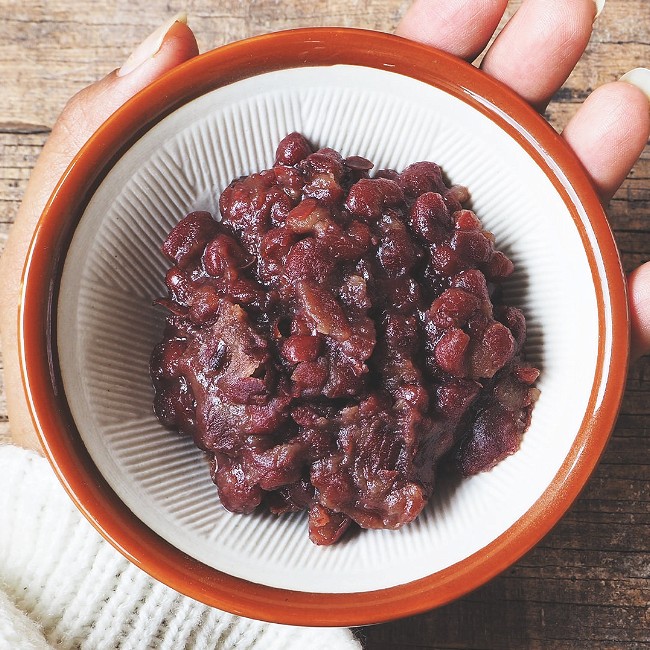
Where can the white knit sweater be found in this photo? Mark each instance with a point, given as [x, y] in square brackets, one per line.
[63, 586]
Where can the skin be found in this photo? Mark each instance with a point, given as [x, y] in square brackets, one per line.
[534, 54]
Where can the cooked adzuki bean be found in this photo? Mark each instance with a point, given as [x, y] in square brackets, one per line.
[333, 337]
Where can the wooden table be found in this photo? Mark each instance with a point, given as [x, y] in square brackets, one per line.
[587, 584]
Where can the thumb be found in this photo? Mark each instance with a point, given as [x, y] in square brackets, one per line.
[171, 44]
[168, 46]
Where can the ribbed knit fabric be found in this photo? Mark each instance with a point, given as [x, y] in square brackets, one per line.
[63, 586]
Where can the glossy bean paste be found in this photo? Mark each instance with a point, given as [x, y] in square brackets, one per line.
[334, 337]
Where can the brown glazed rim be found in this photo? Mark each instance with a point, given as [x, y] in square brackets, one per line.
[291, 49]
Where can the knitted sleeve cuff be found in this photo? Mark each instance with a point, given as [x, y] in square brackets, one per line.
[17, 630]
[66, 580]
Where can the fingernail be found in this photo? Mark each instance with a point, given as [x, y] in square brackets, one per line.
[600, 5]
[639, 77]
[150, 46]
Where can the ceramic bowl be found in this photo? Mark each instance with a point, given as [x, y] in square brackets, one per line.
[88, 324]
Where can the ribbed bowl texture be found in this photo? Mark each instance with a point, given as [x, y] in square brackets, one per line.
[107, 324]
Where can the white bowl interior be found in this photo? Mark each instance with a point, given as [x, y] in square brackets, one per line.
[107, 325]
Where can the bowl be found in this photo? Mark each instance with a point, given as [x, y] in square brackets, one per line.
[87, 323]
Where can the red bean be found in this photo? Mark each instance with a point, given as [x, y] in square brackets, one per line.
[292, 149]
[187, 240]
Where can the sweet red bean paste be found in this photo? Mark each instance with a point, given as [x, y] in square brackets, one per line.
[334, 336]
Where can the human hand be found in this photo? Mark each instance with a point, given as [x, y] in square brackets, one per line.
[533, 55]
[170, 45]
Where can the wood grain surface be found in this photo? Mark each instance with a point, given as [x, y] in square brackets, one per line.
[587, 584]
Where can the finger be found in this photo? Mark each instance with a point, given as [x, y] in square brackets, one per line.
[608, 134]
[169, 46]
[638, 285]
[460, 27]
[540, 46]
